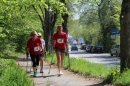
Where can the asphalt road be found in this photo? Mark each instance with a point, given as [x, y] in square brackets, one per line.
[101, 58]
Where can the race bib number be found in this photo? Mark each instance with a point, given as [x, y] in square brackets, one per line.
[36, 48]
[60, 40]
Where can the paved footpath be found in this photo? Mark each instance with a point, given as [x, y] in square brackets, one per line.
[52, 79]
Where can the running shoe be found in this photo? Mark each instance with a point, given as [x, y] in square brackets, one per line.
[41, 71]
[35, 73]
[61, 73]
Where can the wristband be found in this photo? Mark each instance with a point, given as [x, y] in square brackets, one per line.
[27, 54]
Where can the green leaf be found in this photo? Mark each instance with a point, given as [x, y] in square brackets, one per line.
[4, 1]
[0, 29]
[2, 35]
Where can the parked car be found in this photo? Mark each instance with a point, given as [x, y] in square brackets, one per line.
[83, 46]
[87, 48]
[115, 50]
[90, 48]
[97, 49]
[74, 47]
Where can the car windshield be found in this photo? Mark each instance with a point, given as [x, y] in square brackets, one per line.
[117, 46]
[98, 46]
[83, 44]
[74, 46]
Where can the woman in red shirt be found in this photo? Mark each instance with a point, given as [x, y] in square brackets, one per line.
[34, 45]
[59, 44]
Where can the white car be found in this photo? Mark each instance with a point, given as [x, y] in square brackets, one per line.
[115, 50]
[87, 48]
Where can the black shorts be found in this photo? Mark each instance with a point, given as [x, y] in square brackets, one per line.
[60, 50]
[42, 54]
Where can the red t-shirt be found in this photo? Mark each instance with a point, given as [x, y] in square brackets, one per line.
[34, 46]
[60, 40]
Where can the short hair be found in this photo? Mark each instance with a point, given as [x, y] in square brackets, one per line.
[33, 32]
[59, 26]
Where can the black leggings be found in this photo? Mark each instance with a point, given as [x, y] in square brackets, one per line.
[35, 59]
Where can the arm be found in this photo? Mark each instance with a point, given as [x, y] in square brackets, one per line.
[44, 48]
[66, 41]
[41, 45]
[27, 53]
[27, 50]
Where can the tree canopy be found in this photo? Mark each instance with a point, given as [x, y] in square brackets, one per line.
[19, 18]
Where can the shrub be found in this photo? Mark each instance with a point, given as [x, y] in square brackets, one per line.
[13, 75]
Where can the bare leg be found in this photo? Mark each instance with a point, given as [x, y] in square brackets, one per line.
[58, 60]
[34, 69]
[62, 58]
[41, 63]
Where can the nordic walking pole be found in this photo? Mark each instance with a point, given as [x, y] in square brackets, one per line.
[68, 55]
[31, 66]
[27, 64]
[50, 64]
[27, 55]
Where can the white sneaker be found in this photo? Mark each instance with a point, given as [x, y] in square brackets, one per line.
[61, 73]
[41, 71]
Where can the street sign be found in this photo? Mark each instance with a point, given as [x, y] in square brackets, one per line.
[113, 36]
[118, 33]
[115, 32]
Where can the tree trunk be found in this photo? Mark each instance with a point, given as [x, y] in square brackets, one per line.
[64, 24]
[46, 29]
[65, 18]
[49, 23]
[125, 35]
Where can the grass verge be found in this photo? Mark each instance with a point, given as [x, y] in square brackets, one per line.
[122, 79]
[11, 74]
[83, 67]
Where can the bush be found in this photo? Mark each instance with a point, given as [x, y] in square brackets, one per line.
[13, 75]
[122, 79]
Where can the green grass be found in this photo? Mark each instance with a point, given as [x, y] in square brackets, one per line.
[83, 67]
[122, 79]
[11, 74]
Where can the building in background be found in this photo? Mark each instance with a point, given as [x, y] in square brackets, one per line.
[80, 41]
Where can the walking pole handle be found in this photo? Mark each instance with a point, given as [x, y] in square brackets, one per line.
[27, 55]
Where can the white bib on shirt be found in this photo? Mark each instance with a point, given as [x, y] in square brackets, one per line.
[36, 48]
[60, 40]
